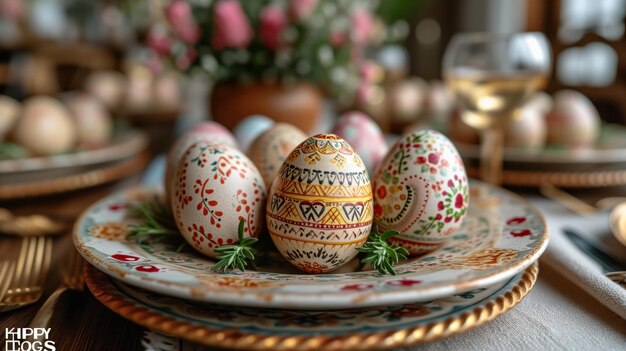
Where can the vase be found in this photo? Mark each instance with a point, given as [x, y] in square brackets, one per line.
[299, 104]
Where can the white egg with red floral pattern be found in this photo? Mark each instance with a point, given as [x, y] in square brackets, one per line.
[204, 131]
[421, 191]
[216, 186]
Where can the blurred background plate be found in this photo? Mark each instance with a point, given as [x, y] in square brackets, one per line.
[609, 150]
[42, 183]
[125, 143]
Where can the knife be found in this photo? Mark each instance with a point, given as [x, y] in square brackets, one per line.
[606, 261]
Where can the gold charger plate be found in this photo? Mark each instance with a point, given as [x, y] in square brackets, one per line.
[265, 329]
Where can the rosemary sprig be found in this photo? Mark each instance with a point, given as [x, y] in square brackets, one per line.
[380, 254]
[236, 255]
[157, 224]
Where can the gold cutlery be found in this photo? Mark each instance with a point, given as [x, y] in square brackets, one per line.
[617, 217]
[568, 200]
[73, 279]
[30, 273]
[33, 225]
[6, 275]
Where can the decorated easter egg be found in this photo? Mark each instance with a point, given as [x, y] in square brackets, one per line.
[364, 135]
[250, 128]
[459, 131]
[439, 101]
[9, 112]
[46, 127]
[204, 131]
[167, 91]
[407, 99]
[93, 122]
[107, 86]
[271, 148]
[421, 191]
[319, 209]
[542, 102]
[528, 130]
[573, 121]
[218, 133]
[215, 187]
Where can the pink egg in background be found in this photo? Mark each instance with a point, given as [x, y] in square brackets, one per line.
[364, 135]
[574, 121]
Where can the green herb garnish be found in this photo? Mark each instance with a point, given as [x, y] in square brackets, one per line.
[11, 151]
[381, 255]
[236, 255]
[158, 224]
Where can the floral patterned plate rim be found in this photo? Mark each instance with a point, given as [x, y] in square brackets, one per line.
[125, 143]
[496, 241]
[263, 329]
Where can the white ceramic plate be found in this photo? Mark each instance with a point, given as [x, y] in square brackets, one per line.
[494, 244]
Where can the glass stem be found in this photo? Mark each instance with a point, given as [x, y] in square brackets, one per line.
[491, 156]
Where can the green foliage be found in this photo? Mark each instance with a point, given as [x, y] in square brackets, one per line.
[157, 224]
[237, 255]
[10, 151]
[380, 255]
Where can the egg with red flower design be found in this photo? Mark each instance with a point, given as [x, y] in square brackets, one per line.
[214, 188]
[421, 191]
[204, 131]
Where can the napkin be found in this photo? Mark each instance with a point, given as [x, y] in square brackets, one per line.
[564, 257]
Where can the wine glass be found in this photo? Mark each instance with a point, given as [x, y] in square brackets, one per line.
[492, 76]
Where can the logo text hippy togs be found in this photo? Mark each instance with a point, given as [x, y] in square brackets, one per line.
[28, 339]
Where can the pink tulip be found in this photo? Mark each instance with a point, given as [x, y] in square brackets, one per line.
[158, 41]
[179, 16]
[362, 26]
[338, 38]
[231, 27]
[367, 70]
[273, 23]
[300, 9]
[13, 9]
[189, 33]
[184, 61]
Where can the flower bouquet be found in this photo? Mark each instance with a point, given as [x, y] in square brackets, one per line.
[260, 51]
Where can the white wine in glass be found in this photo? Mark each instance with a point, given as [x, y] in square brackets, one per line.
[493, 76]
[490, 100]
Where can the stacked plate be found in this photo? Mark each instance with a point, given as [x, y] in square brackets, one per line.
[603, 164]
[481, 272]
[37, 176]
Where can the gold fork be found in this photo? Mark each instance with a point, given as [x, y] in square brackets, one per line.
[30, 273]
[6, 275]
[73, 279]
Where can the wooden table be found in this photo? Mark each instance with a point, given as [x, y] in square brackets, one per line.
[80, 322]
